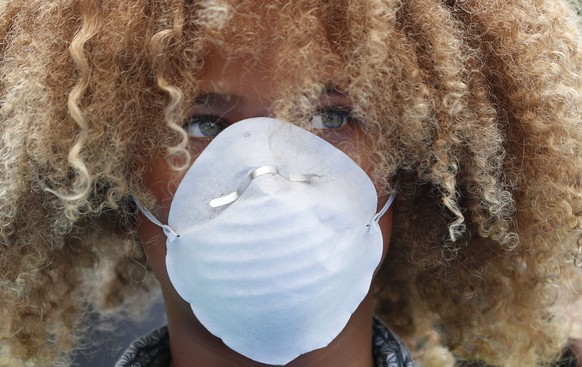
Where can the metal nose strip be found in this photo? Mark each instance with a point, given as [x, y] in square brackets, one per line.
[263, 170]
[259, 171]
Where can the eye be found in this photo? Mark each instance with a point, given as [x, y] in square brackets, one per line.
[205, 126]
[331, 118]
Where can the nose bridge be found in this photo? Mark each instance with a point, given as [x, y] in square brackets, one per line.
[254, 105]
[248, 86]
[257, 91]
[263, 112]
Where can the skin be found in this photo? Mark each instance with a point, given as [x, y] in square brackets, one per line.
[242, 88]
[576, 347]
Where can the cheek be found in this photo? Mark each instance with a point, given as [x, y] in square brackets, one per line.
[355, 143]
[153, 241]
[350, 140]
[162, 183]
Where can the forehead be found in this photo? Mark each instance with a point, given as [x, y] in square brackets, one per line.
[242, 74]
[224, 72]
[278, 44]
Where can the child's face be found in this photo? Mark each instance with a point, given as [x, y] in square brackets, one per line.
[231, 91]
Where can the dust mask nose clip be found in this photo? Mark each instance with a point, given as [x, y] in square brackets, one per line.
[273, 239]
[257, 172]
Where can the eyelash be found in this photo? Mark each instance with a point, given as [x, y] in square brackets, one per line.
[327, 118]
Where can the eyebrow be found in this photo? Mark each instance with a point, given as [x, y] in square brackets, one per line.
[212, 99]
[218, 100]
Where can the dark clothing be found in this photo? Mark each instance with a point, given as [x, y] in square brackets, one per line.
[153, 350]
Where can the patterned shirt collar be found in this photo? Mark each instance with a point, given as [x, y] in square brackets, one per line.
[389, 349]
[153, 350]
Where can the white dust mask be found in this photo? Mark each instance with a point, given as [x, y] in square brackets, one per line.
[273, 239]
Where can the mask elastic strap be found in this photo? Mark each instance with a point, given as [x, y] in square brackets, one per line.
[168, 231]
[384, 208]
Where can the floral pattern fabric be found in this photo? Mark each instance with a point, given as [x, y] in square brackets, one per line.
[389, 349]
[153, 350]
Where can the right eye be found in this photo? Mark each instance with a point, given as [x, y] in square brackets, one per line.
[204, 126]
[331, 118]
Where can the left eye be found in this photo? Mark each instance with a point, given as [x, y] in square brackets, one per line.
[205, 126]
[330, 118]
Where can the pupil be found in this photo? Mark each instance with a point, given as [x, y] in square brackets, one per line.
[210, 128]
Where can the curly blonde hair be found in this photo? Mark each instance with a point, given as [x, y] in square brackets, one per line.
[474, 119]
